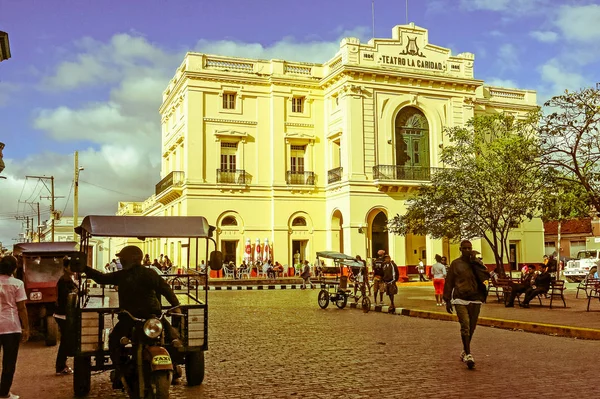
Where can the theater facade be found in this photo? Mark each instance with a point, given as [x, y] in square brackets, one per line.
[318, 157]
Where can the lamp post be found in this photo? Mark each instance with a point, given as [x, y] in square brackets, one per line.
[4, 46]
[76, 194]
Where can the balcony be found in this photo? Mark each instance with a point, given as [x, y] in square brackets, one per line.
[334, 175]
[228, 176]
[170, 187]
[395, 178]
[300, 178]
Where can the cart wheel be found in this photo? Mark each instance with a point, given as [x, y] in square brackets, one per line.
[342, 300]
[82, 375]
[194, 368]
[323, 299]
[51, 331]
[366, 304]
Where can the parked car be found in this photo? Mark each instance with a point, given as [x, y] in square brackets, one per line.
[576, 269]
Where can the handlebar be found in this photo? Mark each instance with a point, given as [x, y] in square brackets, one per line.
[163, 313]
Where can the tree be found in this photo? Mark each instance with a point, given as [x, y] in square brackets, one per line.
[569, 134]
[490, 184]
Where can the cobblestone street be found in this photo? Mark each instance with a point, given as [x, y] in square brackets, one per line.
[276, 344]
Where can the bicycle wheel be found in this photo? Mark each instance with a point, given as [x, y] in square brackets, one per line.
[323, 299]
[366, 304]
[342, 300]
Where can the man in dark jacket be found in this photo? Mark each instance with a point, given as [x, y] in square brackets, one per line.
[518, 289]
[378, 284]
[140, 289]
[464, 289]
[541, 285]
[390, 277]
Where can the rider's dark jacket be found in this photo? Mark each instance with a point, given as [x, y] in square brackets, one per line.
[139, 289]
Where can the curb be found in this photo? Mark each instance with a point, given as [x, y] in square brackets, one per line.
[536, 328]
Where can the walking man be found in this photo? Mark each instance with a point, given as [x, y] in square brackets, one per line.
[378, 284]
[390, 278]
[464, 289]
[421, 270]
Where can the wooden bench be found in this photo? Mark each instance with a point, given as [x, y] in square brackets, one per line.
[502, 287]
[586, 286]
[557, 289]
[594, 293]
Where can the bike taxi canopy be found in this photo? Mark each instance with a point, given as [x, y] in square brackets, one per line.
[334, 255]
[145, 226]
[27, 248]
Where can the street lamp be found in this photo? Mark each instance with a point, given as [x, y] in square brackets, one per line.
[1, 160]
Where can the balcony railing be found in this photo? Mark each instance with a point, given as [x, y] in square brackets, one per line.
[173, 179]
[301, 178]
[229, 176]
[396, 172]
[334, 175]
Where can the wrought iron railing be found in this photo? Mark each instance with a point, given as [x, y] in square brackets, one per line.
[334, 175]
[229, 176]
[301, 178]
[396, 172]
[173, 179]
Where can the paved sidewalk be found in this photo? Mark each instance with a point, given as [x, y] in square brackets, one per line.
[417, 300]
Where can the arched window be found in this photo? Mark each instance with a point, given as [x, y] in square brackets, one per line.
[229, 221]
[412, 144]
[299, 221]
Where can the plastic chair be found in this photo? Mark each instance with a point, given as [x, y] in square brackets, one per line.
[285, 272]
[228, 272]
[244, 272]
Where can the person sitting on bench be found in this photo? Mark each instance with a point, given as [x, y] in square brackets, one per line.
[541, 285]
[523, 286]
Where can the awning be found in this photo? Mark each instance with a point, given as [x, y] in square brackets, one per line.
[146, 226]
[26, 248]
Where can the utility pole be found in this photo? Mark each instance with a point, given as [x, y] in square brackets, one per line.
[52, 197]
[76, 194]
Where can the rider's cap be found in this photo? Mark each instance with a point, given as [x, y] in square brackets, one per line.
[131, 252]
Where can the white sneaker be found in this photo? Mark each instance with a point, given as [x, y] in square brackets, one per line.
[470, 361]
[13, 396]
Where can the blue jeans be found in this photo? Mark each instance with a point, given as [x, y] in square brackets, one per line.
[10, 344]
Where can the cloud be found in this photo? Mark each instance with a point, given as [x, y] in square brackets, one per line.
[544, 36]
[512, 6]
[498, 82]
[579, 23]
[509, 57]
[7, 90]
[558, 76]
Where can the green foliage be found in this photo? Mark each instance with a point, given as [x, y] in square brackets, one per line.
[491, 182]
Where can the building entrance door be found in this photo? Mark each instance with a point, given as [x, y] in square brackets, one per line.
[512, 256]
[229, 249]
[299, 251]
[379, 235]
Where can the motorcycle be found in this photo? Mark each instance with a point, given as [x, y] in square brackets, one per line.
[147, 370]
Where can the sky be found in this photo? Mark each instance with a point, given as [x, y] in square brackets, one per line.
[88, 75]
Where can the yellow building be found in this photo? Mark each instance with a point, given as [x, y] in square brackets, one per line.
[318, 156]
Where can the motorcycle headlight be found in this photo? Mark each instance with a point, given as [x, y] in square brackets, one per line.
[152, 328]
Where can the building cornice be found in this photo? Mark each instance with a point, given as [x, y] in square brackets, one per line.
[230, 121]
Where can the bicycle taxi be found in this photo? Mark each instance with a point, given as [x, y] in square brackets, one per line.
[94, 315]
[334, 282]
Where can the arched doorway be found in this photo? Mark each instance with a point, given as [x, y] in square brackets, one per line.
[412, 144]
[337, 234]
[379, 234]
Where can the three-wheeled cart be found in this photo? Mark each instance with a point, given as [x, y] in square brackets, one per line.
[334, 284]
[40, 266]
[94, 315]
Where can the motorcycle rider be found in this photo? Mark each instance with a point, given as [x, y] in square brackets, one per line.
[139, 294]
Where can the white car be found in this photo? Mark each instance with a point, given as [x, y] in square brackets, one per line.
[576, 269]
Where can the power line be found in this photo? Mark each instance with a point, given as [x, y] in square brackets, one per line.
[68, 197]
[108, 189]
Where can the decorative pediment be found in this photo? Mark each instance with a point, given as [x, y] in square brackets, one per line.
[299, 135]
[230, 134]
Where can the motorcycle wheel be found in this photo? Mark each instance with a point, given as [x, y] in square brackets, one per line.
[323, 299]
[194, 368]
[82, 375]
[160, 381]
[51, 331]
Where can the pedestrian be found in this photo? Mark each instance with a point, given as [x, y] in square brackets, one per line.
[438, 272]
[390, 278]
[378, 284]
[464, 289]
[113, 265]
[107, 268]
[12, 331]
[421, 270]
[64, 287]
[147, 261]
[119, 265]
[306, 276]
[168, 263]
[363, 276]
